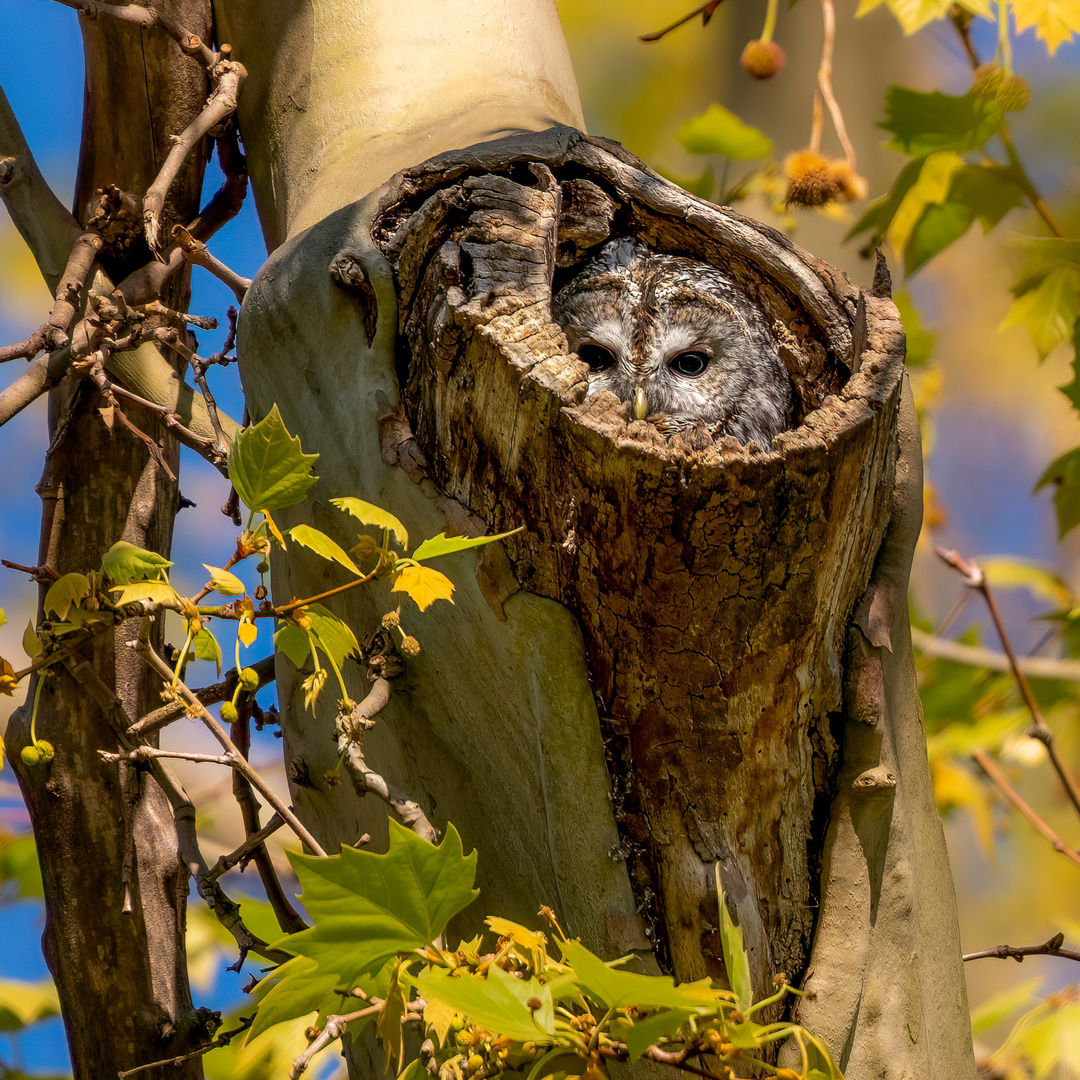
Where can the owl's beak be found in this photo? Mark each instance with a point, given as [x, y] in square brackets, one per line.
[641, 406]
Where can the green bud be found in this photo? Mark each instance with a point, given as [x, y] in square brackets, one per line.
[31, 756]
[475, 1062]
[987, 79]
[1014, 93]
[45, 749]
[228, 713]
[249, 679]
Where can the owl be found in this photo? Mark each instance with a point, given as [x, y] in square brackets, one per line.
[677, 338]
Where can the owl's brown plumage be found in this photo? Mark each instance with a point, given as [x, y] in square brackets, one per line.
[678, 338]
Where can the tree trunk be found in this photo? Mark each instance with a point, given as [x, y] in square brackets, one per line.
[692, 655]
[115, 887]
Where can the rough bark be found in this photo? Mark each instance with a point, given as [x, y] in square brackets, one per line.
[115, 887]
[683, 611]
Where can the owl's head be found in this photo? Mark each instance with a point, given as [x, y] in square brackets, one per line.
[678, 338]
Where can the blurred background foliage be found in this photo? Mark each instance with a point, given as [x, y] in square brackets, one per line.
[991, 322]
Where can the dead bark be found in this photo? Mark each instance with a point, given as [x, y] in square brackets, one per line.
[115, 887]
[714, 586]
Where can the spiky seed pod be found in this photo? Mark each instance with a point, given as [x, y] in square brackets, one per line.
[1014, 93]
[852, 185]
[762, 59]
[811, 180]
[986, 80]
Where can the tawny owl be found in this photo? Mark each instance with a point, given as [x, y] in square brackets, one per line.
[676, 337]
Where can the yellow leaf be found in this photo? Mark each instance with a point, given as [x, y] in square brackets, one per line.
[1049, 310]
[8, 682]
[424, 585]
[64, 592]
[1055, 21]
[369, 514]
[31, 643]
[225, 583]
[247, 632]
[932, 187]
[155, 592]
[912, 15]
[1017, 573]
[273, 528]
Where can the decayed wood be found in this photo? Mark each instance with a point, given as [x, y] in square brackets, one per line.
[713, 586]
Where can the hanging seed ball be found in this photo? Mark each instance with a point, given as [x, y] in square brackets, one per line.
[986, 80]
[1014, 93]
[852, 186]
[811, 180]
[762, 59]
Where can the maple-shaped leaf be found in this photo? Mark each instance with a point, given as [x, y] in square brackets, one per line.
[66, 592]
[267, 466]
[368, 908]
[1055, 21]
[424, 585]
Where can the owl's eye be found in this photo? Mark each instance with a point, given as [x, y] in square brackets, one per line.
[596, 356]
[691, 364]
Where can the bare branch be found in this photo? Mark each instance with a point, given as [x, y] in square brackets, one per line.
[198, 254]
[254, 840]
[705, 11]
[997, 778]
[221, 1040]
[333, 1029]
[365, 779]
[976, 579]
[1017, 953]
[1034, 667]
[145, 650]
[227, 75]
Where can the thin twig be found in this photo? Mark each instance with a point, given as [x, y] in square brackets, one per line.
[287, 916]
[828, 15]
[1017, 953]
[705, 11]
[226, 862]
[221, 1040]
[997, 778]
[227, 76]
[145, 650]
[976, 579]
[198, 253]
[150, 19]
[961, 20]
[333, 1029]
[366, 780]
[1034, 667]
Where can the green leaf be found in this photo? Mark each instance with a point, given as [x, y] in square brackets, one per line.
[920, 341]
[448, 545]
[414, 1071]
[424, 585]
[66, 592]
[497, 1002]
[267, 466]
[926, 123]
[1064, 475]
[367, 908]
[23, 1003]
[662, 1025]
[616, 989]
[937, 228]
[31, 643]
[736, 962]
[1047, 306]
[880, 213]
[294, 643]
[991, 191]
[369, 514]
[224, 582]
[206, 647]
[3, 617]
[125, 562]
[1048, 252]
[154, 592]
[331, 634]
[1072, 389]
[388, 1025]
[996, 1008]
[1016, 573]
[298, 988]
[718, 131]
[322, 545]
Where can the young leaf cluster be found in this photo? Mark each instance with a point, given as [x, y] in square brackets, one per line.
[515, 1004]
